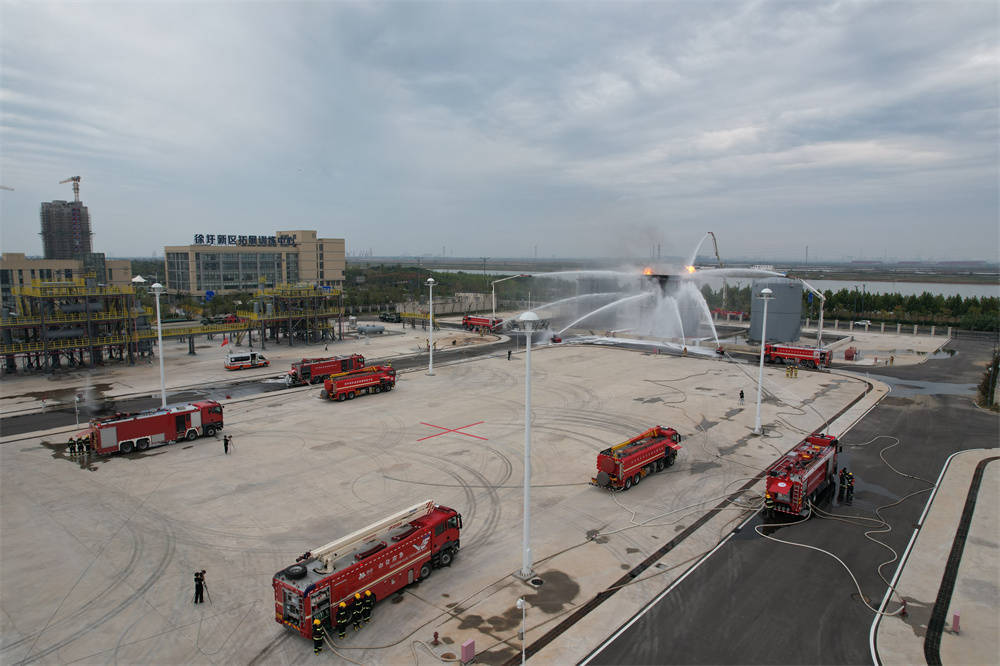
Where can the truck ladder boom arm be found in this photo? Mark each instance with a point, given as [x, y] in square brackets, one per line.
[649, 433]
[331, 551]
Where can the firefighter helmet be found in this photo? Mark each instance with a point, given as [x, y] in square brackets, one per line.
[343, 605]
[357, 596]
[368, 593]
[316, 621]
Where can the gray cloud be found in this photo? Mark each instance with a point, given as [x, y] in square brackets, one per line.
[586, 128]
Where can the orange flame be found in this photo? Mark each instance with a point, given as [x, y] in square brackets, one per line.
[690, 269]
[647, 271]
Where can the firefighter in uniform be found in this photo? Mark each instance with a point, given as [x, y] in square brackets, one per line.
[850, 486]
[367, 603]
[317, 636]
[768, 505]
[843, 483]
[71, 447]
[343, 617]
[356, 612]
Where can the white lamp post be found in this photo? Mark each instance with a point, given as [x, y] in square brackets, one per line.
[765, 295]
[493, 287]
[157, 289]
[528, 320]
[522, 605]
[430, 339]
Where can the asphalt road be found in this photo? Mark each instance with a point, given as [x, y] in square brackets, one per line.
[760, 602]
[65, 416]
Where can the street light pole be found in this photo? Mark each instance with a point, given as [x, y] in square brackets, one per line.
[157, 289]
[522, 605]
[765, 295]
[528, 320]
[430, 332]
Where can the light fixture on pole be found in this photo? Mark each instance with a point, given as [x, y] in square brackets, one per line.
[493, 288]
[157, 289]
[430, 331]
[765, 295]
[522, 606]
[528, 321]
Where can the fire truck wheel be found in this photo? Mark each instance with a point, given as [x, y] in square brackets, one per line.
[446, 557]
[296, 571]
[341, 397]
[375, 389]
[425, 571]
[209, 431]
[350, 395]
[142, 444]
[635, 480]
[628, 483]
[658, 466]
[192, 435]
[126, 447]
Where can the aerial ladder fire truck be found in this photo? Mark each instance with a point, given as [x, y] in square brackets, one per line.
[381, 558]
[624, 465]
[315, 370]
[799, 476]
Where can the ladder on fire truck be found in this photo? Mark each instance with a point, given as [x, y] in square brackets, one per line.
[652, 432]
[329, 553]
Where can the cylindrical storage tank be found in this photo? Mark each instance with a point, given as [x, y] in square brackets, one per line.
[784, 310]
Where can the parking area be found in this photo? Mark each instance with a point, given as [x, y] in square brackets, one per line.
[98, 555]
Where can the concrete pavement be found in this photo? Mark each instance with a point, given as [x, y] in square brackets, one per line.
[98, 555]
[976, 597]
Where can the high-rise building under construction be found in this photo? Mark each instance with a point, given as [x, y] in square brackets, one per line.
[65, 230]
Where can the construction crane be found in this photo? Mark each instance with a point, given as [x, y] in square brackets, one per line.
[76, 186]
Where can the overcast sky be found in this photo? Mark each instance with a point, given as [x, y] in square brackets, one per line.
[860, 129]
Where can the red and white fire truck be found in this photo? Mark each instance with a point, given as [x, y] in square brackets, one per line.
[382, 558]
[809, 357]
[315, 370]
[371, 379]
[802, 474]
[624, 465]
[142, 430]
[475, 323]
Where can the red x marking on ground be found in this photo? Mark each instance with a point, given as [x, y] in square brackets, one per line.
[454, 430]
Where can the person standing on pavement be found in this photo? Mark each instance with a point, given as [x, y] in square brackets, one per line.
[343, 616]
[356, 612]
[317, 636]
[199, 587]
[367, 603]
[508, 354]
[225, 444]
[741, 397]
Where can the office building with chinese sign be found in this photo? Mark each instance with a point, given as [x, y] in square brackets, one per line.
[228, 263]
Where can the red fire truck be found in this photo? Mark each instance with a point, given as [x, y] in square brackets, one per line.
[372, 379]
[809, 357]
[315, 370]
[142, 430]
[474, 323]
[802, 474]
[624, 465]
[382, 558]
